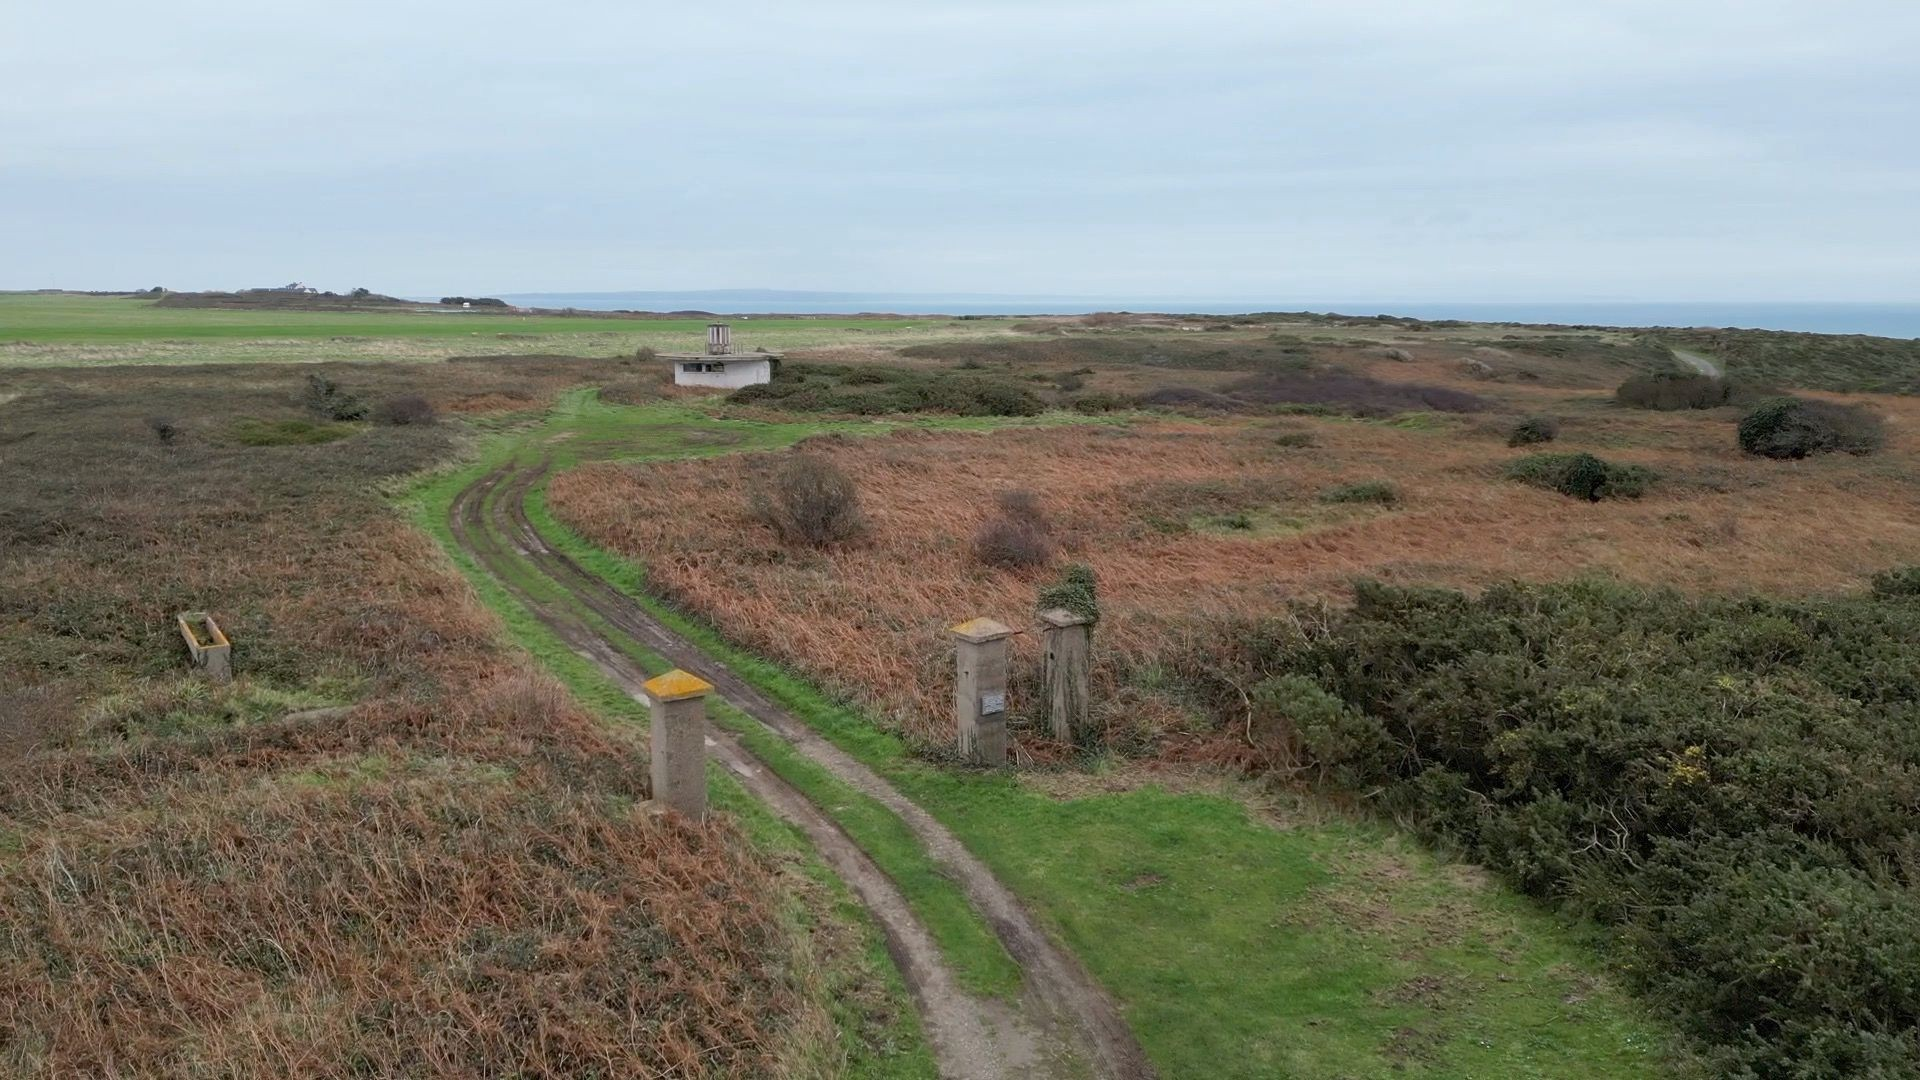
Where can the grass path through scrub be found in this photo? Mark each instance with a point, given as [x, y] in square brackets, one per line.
[972, 1032]
[1235, 947]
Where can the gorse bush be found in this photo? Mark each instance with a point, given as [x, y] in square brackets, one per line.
[1824, 361]
[1897, 583]
[1582, 476]
[1669, 392]
[1349, 392]
[809, 500]
[1727, 783]
[1534, 430]
[164, 428]
[1375, 492]
[287, 433]
[403, 410]
[1790, 427]
[326, 399]
[1103, 403]
[874, 390]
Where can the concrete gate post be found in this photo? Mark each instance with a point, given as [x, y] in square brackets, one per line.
[1065, 639]
[980, 690]
[679, 765]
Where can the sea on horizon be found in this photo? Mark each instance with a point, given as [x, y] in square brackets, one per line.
[1879, 319]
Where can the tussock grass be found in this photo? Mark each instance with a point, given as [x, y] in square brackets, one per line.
[287, 432]
[451, 879]
[1179, 901]
[1122, 499]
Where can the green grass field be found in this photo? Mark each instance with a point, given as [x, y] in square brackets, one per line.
[49, 329]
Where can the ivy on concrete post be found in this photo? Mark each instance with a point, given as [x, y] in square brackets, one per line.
[679, 765]
[980, 690]
[1065, 642]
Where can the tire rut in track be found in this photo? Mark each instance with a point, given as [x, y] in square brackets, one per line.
[1063, 1015]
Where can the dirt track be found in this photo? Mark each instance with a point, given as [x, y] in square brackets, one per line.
[1064, 1023]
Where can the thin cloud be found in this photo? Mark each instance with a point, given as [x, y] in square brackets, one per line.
[1472, 150]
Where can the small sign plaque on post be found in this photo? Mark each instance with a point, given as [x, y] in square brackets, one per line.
[980, 690]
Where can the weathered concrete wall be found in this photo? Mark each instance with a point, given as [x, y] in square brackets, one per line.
[739, 371]
[679, 766]
[980, 690]
[1066, 645]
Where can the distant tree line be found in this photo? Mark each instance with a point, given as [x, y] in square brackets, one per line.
[476, 301]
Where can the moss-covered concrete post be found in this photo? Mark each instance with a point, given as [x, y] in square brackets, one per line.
[207, 645]
[679, 705]
[1065, 640]
[980, 690]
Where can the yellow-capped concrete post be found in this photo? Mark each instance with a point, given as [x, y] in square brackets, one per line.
[1065, 640]
[679, 705]
[980, 690]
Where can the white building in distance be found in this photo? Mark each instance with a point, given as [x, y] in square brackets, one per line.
[720, 367]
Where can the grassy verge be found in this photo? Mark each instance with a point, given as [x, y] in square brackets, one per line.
[42, 330]
[878, 1033]
[1242, 949]
[55, 317]
[978, 959]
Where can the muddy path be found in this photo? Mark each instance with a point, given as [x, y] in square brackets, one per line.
[1063, 1025]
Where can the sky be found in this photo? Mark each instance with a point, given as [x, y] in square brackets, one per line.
[1530, 150]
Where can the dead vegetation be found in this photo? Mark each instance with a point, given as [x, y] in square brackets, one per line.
[452, 878]
[1188, 522]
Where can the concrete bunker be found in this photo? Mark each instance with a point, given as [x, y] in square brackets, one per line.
[719, 367]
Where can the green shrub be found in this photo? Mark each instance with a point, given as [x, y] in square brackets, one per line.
[1534, 430]
[1898, 583]
[1376, 492]
[1104, 403]
[326, 399]
[1077, 591]
[976, 396]
[1294, 440]
[1824, 361]
[1232, 521]
[287, 432]
[1790, 427]
[1582, 476]
[1726, 783]
[1294, 711]
[876, 390]
[1669, 391]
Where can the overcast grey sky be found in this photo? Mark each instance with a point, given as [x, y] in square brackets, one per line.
[1543, 150]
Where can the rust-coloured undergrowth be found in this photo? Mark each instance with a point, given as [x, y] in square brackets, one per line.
[1186, 521]
[453, 879]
